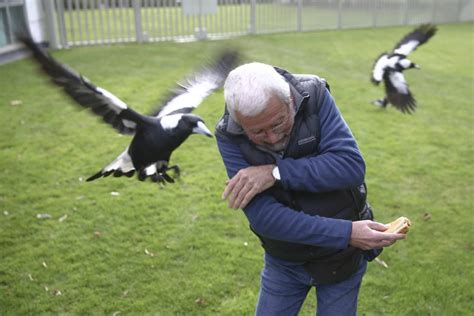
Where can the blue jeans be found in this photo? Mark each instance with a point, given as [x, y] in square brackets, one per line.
[284, 286]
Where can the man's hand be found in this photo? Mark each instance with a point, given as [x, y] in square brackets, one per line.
[370, 235]
[247, 183]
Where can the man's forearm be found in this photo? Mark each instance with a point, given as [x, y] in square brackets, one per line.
[272, 219]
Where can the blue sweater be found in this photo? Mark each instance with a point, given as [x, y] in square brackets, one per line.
[338, 165]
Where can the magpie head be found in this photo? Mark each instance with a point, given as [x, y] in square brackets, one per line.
[407, 64]
[195, 124]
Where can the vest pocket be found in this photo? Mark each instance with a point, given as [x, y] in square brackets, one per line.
[335, 268]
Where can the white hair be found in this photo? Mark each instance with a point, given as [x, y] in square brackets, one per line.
[249, 87]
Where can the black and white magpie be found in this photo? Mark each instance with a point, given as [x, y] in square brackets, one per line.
[156, 136]
[389, 67]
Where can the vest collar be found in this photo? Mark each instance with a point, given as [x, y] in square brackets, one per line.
[298, 92]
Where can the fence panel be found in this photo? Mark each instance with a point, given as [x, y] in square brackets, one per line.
[320, 15]
[90, 22]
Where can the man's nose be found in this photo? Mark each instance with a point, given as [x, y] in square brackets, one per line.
[272, 138]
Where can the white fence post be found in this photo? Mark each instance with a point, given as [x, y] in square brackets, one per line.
[405, 14]
[299, 16]
[61, 24]
[138, 21]
[51, 25]
[253, 17]
[375, 13]
[433, 17]
[458, 17]
[339, 14]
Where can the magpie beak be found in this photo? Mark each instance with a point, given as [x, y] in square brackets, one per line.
[201, 128]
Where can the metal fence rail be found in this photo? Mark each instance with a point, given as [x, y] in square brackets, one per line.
[92, 22]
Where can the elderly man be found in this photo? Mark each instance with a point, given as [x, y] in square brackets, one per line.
[293, 165]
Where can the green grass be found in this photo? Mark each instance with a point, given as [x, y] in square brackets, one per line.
[204, 252]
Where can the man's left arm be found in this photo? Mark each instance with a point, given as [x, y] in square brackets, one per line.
[339, 163]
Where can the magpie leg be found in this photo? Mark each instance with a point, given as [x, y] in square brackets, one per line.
[158, 178]
[384, 102]
[142, 175]
[167, 177]
[381, 102]
[176, 170]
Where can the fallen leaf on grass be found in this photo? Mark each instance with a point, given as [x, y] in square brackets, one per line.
[116, 313]
[200, 301]
[426, 217]
[45, 265]
[97, 234]
[43, 216]
[469, 246]
[381, 262]
[62, 218]
[149, 253]
[125, 294]
[57, 292]
[30, 277]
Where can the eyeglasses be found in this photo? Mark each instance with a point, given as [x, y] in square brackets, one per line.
[276, 129]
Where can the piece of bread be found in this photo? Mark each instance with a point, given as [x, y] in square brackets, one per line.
[401, 226]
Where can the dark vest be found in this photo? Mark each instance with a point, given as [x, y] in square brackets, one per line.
[308, 92]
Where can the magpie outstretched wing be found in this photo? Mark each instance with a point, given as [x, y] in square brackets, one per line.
[100, 101]
[415, 38]
[190, 93]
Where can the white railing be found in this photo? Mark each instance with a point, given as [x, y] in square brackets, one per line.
[92, 22]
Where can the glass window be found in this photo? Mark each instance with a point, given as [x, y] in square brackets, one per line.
[3, 27]
[12, 20]
[17, 20]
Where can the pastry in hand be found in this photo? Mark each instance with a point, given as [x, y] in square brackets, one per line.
[400, 226]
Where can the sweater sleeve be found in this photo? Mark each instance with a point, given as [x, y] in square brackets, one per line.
[339, 163]
[274, 220]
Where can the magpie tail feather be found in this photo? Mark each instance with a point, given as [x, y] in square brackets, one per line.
[95, 176]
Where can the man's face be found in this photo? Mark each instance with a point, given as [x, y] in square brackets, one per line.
[272, 127]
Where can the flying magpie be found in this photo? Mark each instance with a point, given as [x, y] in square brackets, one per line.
[155, 136]
[390, 67]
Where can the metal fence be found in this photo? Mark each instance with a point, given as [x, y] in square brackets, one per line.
[92, 22]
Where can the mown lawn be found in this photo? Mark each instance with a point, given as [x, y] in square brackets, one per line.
[178, 250]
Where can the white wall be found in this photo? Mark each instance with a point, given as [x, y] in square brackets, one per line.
[36, 19]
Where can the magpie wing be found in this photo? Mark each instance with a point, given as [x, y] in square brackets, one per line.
[378, 68]
[397, 91]
[100, 101]
[189, 94]
[415, 38]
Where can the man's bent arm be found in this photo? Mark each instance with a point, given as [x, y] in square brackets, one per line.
[272, 219]
[338, 165]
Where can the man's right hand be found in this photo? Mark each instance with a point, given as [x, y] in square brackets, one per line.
[370, 235]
